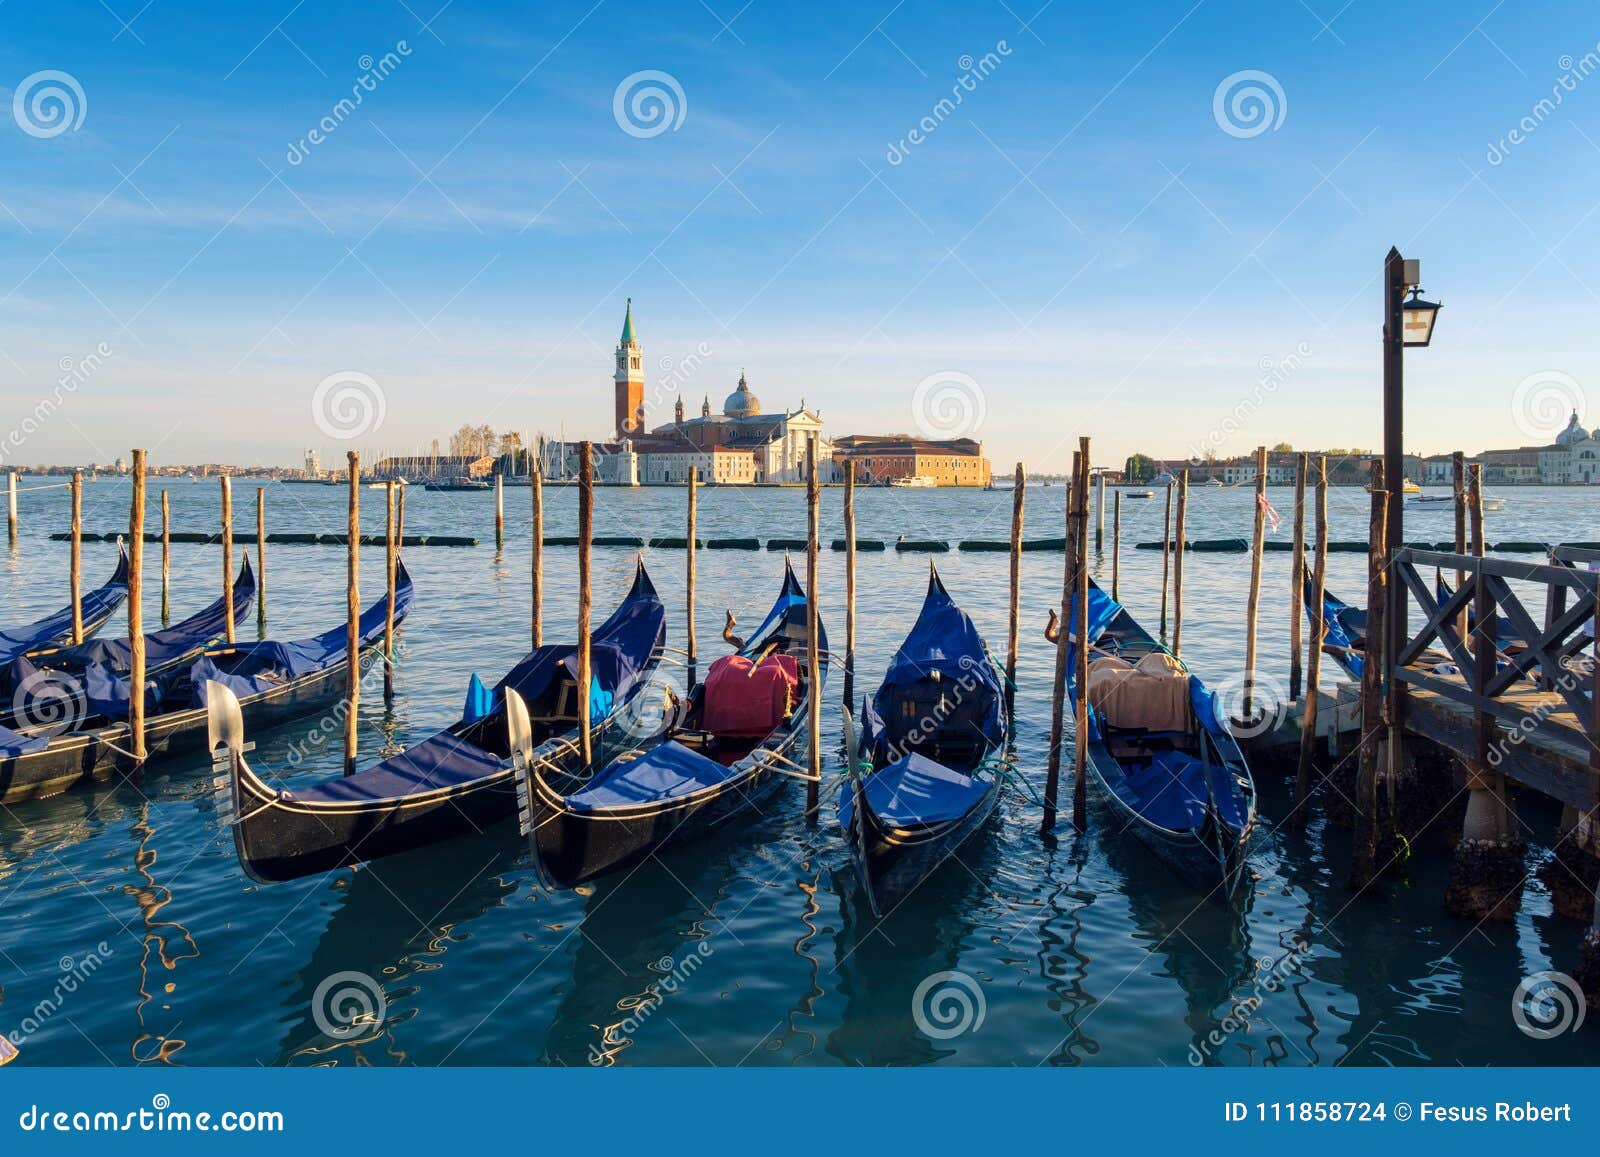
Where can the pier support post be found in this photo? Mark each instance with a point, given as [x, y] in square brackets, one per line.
[1375, 843]
[75, 563]
[136, 665]
[1297, 576]
[1573, 873]
[1308, 723]
[1013, 620]
[352, 607]
[1587, 974]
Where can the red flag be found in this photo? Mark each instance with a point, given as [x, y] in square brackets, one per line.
[1273, 518]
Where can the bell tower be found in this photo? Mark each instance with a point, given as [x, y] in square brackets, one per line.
[629, 379]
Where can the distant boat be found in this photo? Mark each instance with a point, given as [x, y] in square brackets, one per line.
[1446, 502]
[1163, 479]
[1406, 487]
[457, 484]
[918, 481]
[1141, 493]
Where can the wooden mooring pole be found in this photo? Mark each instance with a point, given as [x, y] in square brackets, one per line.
[813, 653]
[352, 610]
[1080, 726]
[1100, 513]
[1253, 604]
[849, 587]
[136, 663]
[688, 574]
[261, 559]
[1058, 693]
[1370, 854]
[1297, 576]
[1013, 619]
[166, 558]
[1319, 629]
[227, 555]
[585, 534]
[1180, 524]
[537, 609]
[1116, 544]
[1166, 557]
[11, 506]
[499, 511]
[391, 552]
[75, 562]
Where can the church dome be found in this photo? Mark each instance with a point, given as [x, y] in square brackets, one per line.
[1573, 433]
[742, 403]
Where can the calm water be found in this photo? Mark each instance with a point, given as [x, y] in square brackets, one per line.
[1083, 949]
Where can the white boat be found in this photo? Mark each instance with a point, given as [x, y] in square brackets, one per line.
[1446, 502]
[1140, 493]
[920, 481]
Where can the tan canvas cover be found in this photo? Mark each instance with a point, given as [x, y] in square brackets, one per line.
[1153, 696]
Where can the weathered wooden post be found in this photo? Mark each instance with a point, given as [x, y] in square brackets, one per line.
[849, 585]
[1370, 856]
[391, 551]
[813, 654]
[352, 610]
[166, 558]
[1486, 876]
[1080, 725]
[1013, 621]
[400, 518]
[585, 533]
[1297, 575]
[1166, 557]
[1458, 472]
[136, 665]
[1058, 691]
[1181, 525]
[688, 573]
[261, 559]
[537, 487]
[227, 555]
[499, 511]
[1116, 544]
[1100, 513]
[75, 563]
[11, 506]
[1253, 605]
[1319, 630]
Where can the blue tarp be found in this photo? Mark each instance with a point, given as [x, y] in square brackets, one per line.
[479, 701]
[916, 790]
[252, 668]
[665, 772]
[96, 606]
[942, 645]
[12, 744]
[171, 644]
[439, 761]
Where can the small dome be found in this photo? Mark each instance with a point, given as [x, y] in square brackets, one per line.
[742, 403]
[1573, 433]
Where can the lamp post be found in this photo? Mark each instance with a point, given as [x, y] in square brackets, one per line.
[1406, 322]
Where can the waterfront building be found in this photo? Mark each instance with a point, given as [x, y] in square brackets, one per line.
[882, 458]
[432, 467]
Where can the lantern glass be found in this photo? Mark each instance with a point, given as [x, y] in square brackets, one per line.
[1416, 320]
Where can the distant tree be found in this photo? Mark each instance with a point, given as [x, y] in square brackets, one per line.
[1282, 448]
[1139, 468]
[472, 441]
[510, 443]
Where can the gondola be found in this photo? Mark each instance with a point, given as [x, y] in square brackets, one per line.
[90, 680]
[456, 782]
[1507, 639]
[1344, 631]
[277, 681]
[1161, 753]
[718, 756]
[96, 608]
[928, 762]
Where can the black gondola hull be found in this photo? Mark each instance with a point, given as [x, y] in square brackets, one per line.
[892, 862]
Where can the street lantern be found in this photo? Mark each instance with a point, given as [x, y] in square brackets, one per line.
[1416, 319]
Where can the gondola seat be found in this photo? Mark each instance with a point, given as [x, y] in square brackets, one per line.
[1152, 696]
[745, 700]
[915, 790]
[665, 772]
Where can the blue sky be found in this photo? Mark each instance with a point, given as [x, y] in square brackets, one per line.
[1081, 245]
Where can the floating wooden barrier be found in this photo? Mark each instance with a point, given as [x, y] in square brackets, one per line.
[733, 544]
[923, 545]
[286, 538]
[787, 544]
[876, 544]
[675, 542]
